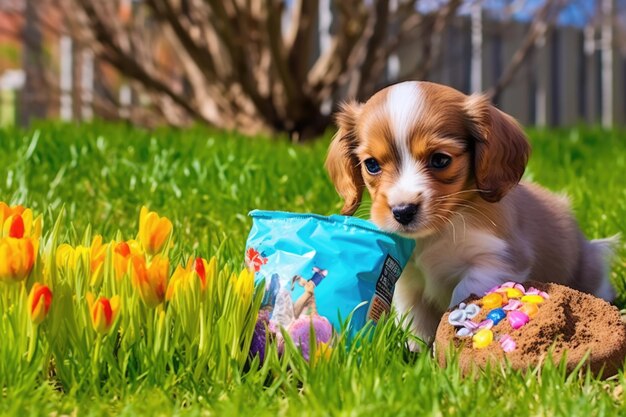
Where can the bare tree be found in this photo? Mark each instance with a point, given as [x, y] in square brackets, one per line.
[237, 64]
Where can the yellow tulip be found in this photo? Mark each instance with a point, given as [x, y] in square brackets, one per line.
[150, 280]
[39, 302]
[103, 312]
[180, 280]
[68, 256]
[97, 253]
[154, 231]
[244, 285]
[17, 257]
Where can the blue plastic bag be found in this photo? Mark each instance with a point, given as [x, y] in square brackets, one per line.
[334, 266]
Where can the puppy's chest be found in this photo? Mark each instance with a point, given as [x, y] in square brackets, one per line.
[438, 264]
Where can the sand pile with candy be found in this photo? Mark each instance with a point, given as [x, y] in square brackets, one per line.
[521, 323]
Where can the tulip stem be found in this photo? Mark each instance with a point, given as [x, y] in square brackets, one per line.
[95, 367]
[32, 343]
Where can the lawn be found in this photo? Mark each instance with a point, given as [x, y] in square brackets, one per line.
[95, 178]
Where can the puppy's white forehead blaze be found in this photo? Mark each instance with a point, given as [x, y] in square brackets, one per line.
[405, 105]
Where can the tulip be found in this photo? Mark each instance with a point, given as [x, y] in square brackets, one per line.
[121, 258]
[68, 256]
[97, 254]
[180, 280]
[103, 312]
[150, 280]
[205, 271]
[244, 285]
[154, 231]
[17, 257]
[18, 222]
[39, 302]
[200, 266]
[122, 252]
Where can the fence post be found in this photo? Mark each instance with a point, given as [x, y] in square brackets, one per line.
[476, 73]
[86, 84]
[125, 99]
[568, 75]
[591, 96]
[65, 84]
[515, 99]
[606, 48]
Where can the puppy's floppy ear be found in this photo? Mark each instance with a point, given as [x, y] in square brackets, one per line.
[500, 146]
[341, 163]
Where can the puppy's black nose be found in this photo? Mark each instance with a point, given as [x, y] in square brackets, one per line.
[405, 213]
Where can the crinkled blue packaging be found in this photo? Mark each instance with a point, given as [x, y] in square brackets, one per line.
[335, 266]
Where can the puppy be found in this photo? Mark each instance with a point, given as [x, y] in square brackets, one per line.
[444, 168]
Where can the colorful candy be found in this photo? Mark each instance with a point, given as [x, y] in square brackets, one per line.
[517, 319]
[485, 324]
[530, 309]
[512, 305]
[482, 338]
[472, 310]
[457, 317]
[492, 300]
[464, 332]
[533, 299]
[496, 315]
[535, 291]
[507, 343]
[512, 292]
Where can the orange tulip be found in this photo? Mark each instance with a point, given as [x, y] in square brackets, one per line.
[121, 257]
[18, 222]
[196, 269]
[154, 231]
[203, 269]
[17, 257]
[150, 280]
[6, 211]
[103, 312]
[39, 302]
[122, 252]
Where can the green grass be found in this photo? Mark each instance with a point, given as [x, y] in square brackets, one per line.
[206, 182]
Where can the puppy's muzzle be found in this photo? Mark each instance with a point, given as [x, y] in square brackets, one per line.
[405, 213]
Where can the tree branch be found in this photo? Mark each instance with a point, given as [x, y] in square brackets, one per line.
[542, 23]
[300, 38]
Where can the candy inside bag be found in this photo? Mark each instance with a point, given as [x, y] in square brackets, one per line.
[336, 267]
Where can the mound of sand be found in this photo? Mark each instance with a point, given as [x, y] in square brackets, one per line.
[570, 322]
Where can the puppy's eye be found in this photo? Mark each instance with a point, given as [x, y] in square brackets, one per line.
[372, 166]
[440, 160]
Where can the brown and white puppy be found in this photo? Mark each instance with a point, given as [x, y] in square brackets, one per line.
[443, 168]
